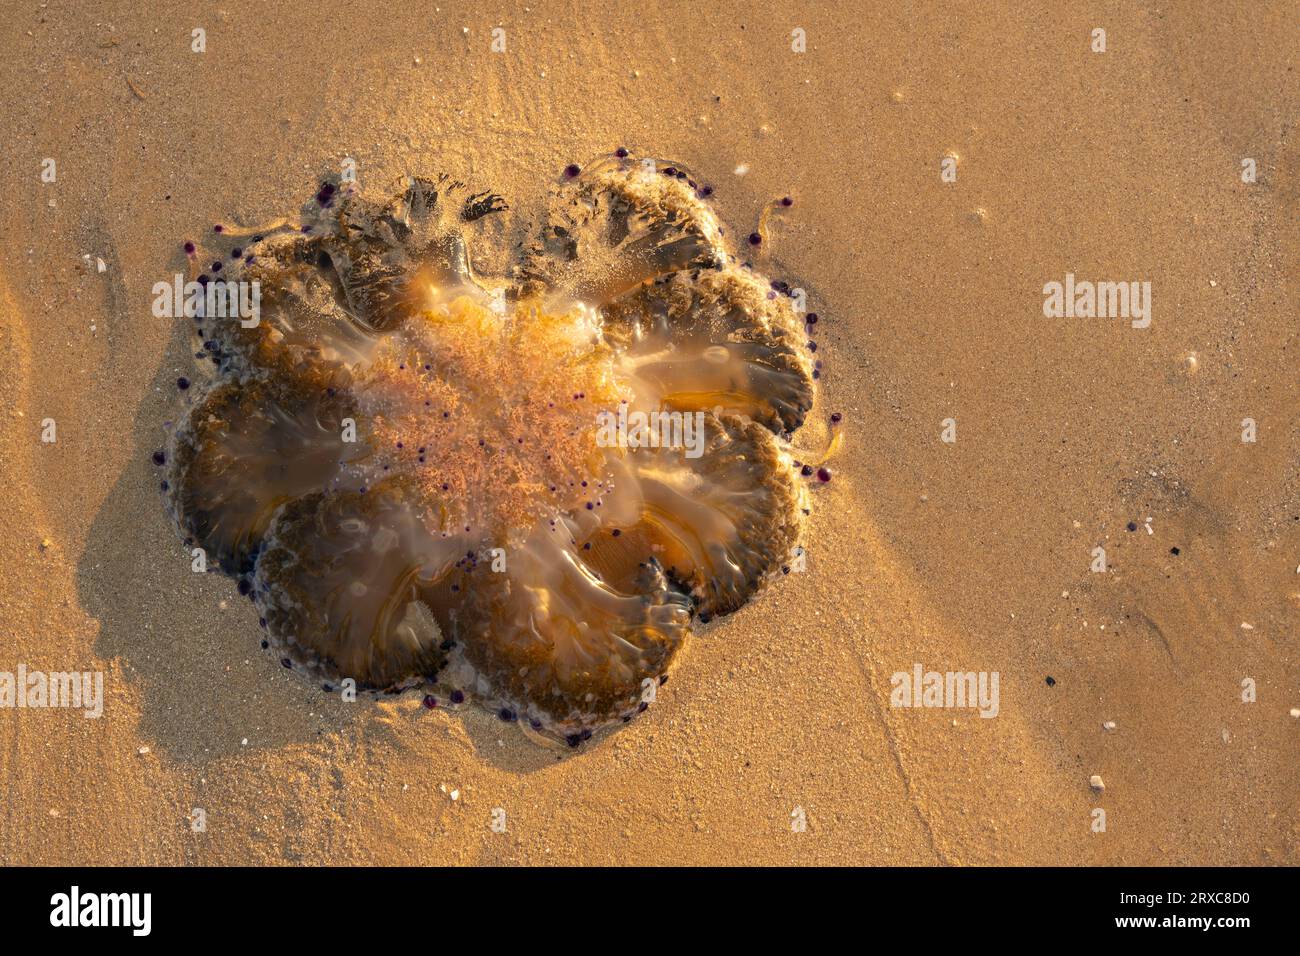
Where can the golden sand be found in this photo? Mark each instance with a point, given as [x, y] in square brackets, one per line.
[966, 555]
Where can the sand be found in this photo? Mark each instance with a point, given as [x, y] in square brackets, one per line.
[972, 555]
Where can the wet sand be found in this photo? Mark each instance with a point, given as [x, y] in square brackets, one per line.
[972, 555]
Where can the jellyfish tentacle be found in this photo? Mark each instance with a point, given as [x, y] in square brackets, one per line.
[300, 315]
[393, 260]
[723, 522]
[342, 585]
[563, 647]
[478, 205]
[717, 339]
[248, 447]
[619, 223]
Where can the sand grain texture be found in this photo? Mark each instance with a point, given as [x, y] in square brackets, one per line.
[965, 556]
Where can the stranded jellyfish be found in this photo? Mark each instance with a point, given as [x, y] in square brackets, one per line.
[518, 490]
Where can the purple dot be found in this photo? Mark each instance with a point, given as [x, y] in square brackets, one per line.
[621, 153]
[823, 474]
[806, 470]
[159, 458]
[218, 228]
[189, 248]
[457, 697]
[430, 701]
[572, 170]
[182, 383]
[755, 239]
[836, 418]
[811, 318]
[787, 201]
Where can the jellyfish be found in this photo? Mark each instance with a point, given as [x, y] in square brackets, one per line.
[525, 489]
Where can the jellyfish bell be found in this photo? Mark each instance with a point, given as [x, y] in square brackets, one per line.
[524, 486]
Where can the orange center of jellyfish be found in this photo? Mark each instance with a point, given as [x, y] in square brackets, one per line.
[488, 412]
